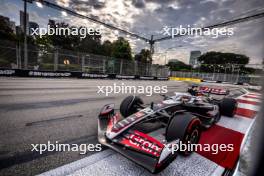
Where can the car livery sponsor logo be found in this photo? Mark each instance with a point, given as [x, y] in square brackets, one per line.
[142, 144]
[139, 114]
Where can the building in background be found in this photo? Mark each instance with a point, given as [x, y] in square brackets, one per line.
[194, 58]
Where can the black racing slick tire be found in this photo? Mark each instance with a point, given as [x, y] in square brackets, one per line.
[130, 105]
[185, 127]
[228, 107]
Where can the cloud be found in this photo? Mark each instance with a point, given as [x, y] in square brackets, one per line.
[148, 17]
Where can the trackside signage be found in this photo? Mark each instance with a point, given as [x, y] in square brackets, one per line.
[7, 72]
[72, 74]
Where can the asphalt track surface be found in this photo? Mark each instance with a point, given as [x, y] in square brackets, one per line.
[35, 111]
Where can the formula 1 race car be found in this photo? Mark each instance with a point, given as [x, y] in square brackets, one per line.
[176, 119]
[201, 90]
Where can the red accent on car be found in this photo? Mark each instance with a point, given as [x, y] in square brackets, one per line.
[192, 123]
[151, 139]
[219, 91]
[107, 109]
[143, 142]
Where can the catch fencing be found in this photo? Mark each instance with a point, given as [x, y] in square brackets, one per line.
[43, 59]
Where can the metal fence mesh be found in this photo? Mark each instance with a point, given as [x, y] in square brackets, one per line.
[12, 56]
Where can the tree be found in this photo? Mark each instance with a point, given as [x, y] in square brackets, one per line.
[107, 48]
[6, 33]
[70, 42]
[121, 49]
[144, 56]
[179, 66]
[222, 62]
[89, 44]
[223, 58]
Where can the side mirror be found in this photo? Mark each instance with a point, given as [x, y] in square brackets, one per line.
[107, 109]
[151, 105]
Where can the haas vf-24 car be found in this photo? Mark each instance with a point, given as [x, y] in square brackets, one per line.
[145, 133]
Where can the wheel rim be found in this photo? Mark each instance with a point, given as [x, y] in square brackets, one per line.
[193, 138]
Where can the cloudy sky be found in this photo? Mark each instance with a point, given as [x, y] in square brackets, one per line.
[148, 17]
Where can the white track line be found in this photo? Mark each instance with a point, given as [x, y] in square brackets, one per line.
[250, 99]
[248, 106]
[112, 163]
[193, 165]
[79, 164]
[236, 123]
[254, 95]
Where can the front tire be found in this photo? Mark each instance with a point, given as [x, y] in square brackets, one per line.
[186, 128]
[130, 105]
[228, 107]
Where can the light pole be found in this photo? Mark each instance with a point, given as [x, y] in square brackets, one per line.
[25, 36]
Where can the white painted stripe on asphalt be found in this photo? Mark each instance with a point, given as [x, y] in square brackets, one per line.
[254, 95]
[236, 123]
[218, 171]
[109, 162]
[250, 99]
[248, 106]
[118, 165]
[79, 164]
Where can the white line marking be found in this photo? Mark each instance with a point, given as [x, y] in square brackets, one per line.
[218, 171]
[248, 106]
[236, 123]
[250, 99]
[79, 164]
[254, 95]
[118, 165]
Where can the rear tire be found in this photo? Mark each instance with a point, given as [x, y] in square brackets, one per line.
[185, 127]
[130, 105]
[228, 107]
